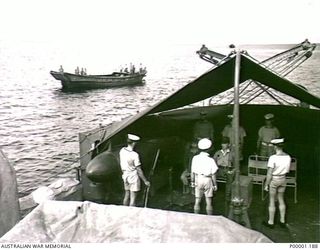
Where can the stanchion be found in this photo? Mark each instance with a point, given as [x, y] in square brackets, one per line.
[238, 210]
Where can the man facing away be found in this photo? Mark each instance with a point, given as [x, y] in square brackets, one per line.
[203, 176]
[131, 171]
[278, 167]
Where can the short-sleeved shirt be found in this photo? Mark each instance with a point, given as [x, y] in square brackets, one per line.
[222, 158]
[129, 160]
[267, 134]
[228, 132]
[280, 164]
[203, 164]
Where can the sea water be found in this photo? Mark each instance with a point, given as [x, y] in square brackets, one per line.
[40, 123]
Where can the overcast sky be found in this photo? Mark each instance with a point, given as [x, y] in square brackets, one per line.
[161, 21]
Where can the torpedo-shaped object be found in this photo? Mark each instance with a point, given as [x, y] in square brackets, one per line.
[103, 167]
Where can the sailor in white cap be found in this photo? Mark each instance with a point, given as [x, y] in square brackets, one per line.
[133, 138]
[278, 167]
[131, 171]
[267, 133]
[203, 176]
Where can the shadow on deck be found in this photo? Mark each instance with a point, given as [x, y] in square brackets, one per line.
[302, 217]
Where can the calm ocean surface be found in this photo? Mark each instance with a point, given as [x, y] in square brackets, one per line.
[39, 123]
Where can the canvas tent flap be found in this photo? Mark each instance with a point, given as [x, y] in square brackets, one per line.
[79, 222]
[254, 71]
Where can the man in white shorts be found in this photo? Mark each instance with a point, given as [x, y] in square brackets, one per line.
[278, 167]
[131, 171]
[203, 176]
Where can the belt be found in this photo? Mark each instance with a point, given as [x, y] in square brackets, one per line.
[266, 144]
[226, 167]
[282, 175]
[209, 176]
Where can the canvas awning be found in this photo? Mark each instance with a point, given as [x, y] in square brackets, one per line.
[221, 79]
[217, 81]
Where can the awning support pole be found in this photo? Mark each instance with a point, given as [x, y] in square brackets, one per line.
[235, 123]
[238, 210]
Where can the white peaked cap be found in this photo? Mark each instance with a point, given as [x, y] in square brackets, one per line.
[277, 141]
[204, 144]
[269, 116]
[133, 137]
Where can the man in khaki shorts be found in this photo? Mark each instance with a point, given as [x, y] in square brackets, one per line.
[203, 176]
[131, 171]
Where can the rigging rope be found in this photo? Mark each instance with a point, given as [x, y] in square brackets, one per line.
[277, 64]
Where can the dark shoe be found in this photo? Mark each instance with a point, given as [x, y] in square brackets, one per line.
[283, 225]
[267, 224]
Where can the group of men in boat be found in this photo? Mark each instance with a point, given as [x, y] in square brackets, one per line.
[203, 166]
[77, 71]
[125, 70]
[132, 69]
[83, 71]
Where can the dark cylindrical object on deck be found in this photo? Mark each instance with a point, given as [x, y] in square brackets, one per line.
[103, 167]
